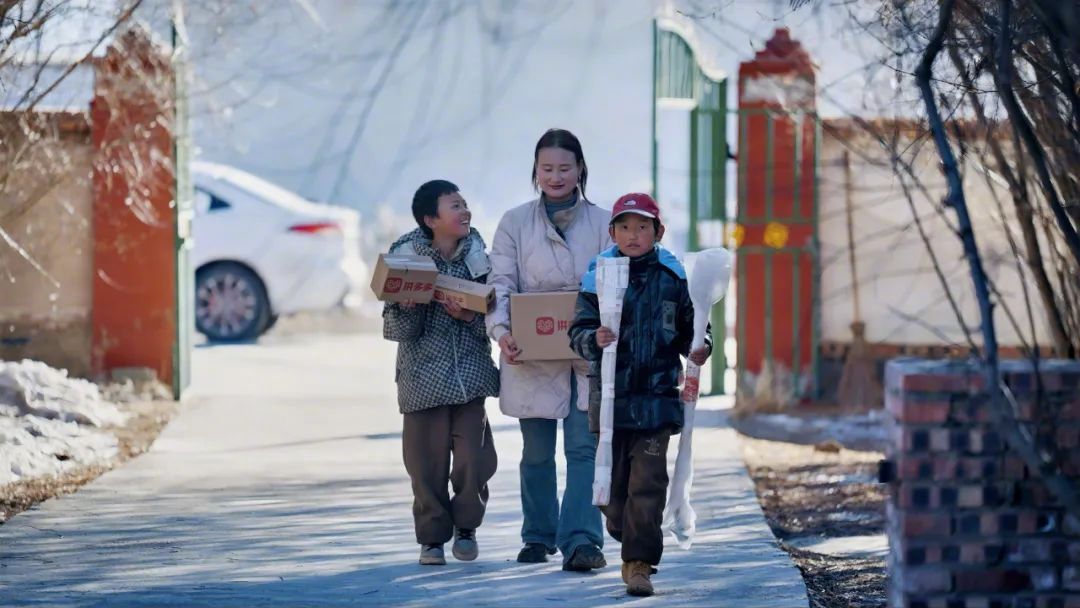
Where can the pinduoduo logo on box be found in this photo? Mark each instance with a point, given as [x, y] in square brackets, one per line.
[393, 285]
[545, 326]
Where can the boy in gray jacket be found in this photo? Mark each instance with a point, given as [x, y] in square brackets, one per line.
[444, 373]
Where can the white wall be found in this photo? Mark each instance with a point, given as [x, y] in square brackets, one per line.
[902, 299]
[673, 174]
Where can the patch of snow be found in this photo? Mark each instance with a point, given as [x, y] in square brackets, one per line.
[871, 545]
[50, 423]
[42, 391]
[128, 391]
[867, 431]
[852, 478]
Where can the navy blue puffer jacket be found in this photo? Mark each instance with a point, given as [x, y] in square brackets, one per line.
[657, 328]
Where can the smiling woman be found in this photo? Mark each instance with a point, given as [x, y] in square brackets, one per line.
[546, 245]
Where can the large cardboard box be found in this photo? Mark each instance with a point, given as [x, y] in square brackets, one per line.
[470, 295]
[400, 277]
[540, 324]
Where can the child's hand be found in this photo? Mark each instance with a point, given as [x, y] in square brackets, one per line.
[455, 310]
[510, 349]
[698, 357]
[604, 337]
[407, 304]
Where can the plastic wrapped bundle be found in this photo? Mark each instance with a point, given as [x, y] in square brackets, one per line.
[708, 273]
[612, 275]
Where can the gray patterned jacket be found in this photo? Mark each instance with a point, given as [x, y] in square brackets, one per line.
[441, 360]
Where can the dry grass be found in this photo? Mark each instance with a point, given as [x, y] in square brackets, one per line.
[806, 491]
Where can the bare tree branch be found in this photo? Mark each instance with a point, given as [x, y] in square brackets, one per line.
[1003, 76]
[1025, 216]
[1006, 417]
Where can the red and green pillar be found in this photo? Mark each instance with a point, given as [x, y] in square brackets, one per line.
[776, 226]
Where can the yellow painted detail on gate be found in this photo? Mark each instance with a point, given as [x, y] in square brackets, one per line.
[776, 235]
[734, 235]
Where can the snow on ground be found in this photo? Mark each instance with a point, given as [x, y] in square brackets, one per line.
[50, 423]
[868, 431]
[868, 545]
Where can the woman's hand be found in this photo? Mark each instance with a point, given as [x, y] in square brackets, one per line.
[455, 310]
[604, 337]
[510, 350]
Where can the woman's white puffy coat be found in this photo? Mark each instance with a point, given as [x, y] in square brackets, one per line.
[527, 256]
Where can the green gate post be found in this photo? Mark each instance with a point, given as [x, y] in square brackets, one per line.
[677, 74]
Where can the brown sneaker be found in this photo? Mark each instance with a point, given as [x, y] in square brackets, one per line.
[636, 576]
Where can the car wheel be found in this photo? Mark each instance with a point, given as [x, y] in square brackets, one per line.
[230, 303]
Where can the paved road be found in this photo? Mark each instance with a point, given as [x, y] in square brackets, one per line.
[281, 483]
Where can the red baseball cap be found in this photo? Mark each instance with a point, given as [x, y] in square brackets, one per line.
[636, 202]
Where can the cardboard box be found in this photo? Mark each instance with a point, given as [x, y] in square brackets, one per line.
[540, 324]
[470, 295]
[404, 277]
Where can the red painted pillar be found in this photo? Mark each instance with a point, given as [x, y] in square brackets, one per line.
[777, 214]
[134, 289]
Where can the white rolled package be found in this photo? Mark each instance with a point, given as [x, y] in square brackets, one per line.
[708, 273]
[612, 276]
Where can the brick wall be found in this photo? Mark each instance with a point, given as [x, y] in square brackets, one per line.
[969, 525]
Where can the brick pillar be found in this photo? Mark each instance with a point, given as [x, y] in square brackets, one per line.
[134, 290]
[777, 208]
[969, 525]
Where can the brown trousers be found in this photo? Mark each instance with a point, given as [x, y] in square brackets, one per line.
[448, 445]
[639, 483]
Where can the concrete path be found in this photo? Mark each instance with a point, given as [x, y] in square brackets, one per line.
[281, 483]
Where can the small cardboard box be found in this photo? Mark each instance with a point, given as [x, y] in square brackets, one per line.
[404, 277]
[470, 295]
[540, 324]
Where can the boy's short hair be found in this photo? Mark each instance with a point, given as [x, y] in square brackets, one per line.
[425, 202]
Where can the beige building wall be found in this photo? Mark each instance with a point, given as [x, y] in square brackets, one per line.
[46, 250]
[902, 299]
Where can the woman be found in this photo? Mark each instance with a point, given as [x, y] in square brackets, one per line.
[546, 245]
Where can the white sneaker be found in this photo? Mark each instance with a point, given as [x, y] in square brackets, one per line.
[432, 555]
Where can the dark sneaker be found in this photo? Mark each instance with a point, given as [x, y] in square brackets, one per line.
[585, 558]
[534, 553]
[432, 555]
[465, 547]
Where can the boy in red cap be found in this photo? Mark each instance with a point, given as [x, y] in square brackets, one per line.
[656, 329]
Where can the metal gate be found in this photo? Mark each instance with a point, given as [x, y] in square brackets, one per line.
[678, 75]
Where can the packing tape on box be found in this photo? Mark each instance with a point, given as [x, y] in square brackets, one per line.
[409, 261]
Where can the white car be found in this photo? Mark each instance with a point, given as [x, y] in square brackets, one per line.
[261, 251]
